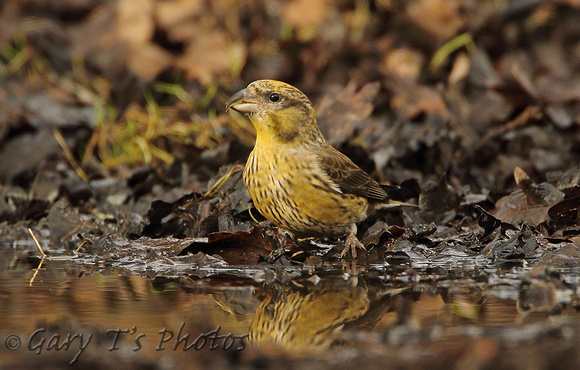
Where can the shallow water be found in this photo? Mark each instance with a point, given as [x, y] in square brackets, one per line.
[58, 312]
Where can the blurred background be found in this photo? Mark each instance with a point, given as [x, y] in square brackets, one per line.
[406, 88]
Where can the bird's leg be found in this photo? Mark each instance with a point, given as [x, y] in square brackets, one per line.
[352, 243]
[273, 232]
[280, 237]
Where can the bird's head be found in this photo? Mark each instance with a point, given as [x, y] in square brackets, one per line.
[281, 113]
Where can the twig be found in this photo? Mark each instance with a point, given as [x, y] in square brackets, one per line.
[74, 230]
[68, 154]
[36, 271]
[83, 243]
[217, 186]
[530, 112]
[37, 243]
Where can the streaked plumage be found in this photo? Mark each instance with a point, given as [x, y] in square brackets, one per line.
[294, 176]
[308, 321]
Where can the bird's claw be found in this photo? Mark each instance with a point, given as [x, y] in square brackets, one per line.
[352, 244]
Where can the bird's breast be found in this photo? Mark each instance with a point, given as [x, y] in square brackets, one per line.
[289, 188]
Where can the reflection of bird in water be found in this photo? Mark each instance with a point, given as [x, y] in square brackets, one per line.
[309, 319]
[241, 304]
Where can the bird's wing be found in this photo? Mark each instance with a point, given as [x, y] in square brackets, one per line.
[348, 176]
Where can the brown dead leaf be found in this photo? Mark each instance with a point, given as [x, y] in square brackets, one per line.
[516, 208]
[543, 193]
[241, 248]
[211, 56]
[184, 23]
[440, 18]
[411, 99]
[382, 235]
[521, 71]
[135, 24]
[405, 63]
[481, 71]
[566, 212]
[168, 14]
[304, 16]
[523, 181]
[438, 201]
[460, 70]
[148, 61]
[339, 116]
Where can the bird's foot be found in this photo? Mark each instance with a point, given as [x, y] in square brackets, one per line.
[281, 241]
[352, 244]
[275, 255]
[277, 237]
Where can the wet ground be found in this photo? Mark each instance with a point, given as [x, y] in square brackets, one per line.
[452, 311]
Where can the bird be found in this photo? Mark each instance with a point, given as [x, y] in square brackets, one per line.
[295, 178]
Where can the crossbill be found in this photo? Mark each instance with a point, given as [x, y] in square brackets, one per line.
[295, 177]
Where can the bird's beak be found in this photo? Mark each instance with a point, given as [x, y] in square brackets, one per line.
[243, 102]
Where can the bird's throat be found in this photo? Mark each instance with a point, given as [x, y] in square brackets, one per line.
[275, 133]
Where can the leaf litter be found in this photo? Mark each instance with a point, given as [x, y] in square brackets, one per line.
[113, 137]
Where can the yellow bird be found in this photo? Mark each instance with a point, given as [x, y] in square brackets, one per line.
[295, 177]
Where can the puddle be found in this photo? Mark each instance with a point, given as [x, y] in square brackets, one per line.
[70, 311]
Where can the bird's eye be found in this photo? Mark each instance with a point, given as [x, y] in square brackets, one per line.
[274, 97]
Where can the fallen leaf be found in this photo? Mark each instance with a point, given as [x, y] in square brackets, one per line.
[148, 61]
[341, 115]
[241, 248]
[440, 18]
[405, 63]
[460, 69]
[304, 16]
[411, 99]
[212, 56]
